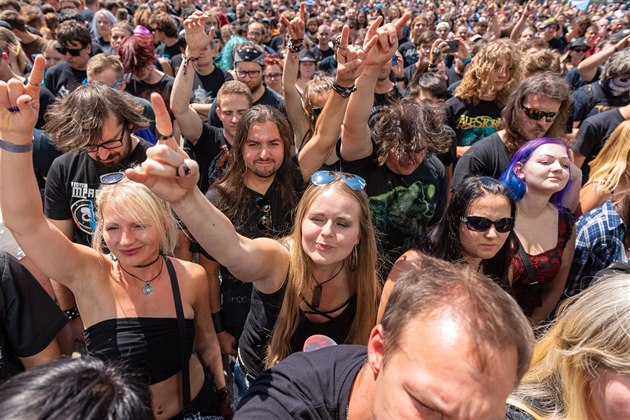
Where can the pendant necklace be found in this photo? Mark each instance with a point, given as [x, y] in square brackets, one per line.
[317, 290]
[148, 288]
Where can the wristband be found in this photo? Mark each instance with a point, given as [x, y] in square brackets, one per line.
[217, 320]
[295, 45]
[467, 60]
[72, 313]
[16, 148]
[187, 60]
[223, 393]
[344, 91]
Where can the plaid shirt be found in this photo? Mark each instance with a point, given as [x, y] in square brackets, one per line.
[599, 243]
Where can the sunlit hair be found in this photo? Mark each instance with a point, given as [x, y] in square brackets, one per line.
[363, 281]
[618, 65]
[517, 186]
[233, 193]
[317, 85]
[476, 82]
[135, 203]
[548, 85]
[406, 127]
[102, 62]
[136, 53]
[234, 87]
[72, 130]
[94, 26]
[589, 336]
[611, 164]
[542, 61]
[15, 50]
[444, 238]
[493, 320]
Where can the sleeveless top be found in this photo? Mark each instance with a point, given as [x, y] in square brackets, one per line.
[545, 265]
[262, 317]
[149, 345]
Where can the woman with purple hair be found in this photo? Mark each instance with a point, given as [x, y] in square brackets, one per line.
[539, 178]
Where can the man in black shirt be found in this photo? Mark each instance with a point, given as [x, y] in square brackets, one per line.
[76, 45]
[451, 344]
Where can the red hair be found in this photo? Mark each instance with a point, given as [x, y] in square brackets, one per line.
[136, 53]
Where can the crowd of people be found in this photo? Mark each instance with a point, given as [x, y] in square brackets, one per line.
[330, 209]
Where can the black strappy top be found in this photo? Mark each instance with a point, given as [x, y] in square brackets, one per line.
[150, 345]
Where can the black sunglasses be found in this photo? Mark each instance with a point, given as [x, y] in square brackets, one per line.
[538, 115]
[483, 224]
[265, 222]
[580, 50]
[75, 52]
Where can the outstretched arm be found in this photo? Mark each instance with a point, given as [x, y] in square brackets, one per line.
[172, 175]
[328, 127]
[355, 138]
[588, 67]
[20, 199]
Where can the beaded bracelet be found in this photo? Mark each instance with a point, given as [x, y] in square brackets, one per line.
[295, 45]
[72, 313]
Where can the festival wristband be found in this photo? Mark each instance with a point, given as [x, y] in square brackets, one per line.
[16, 148]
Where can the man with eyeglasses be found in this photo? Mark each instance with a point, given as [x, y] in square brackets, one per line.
[539, 107]
[249, 62]
[94, 126]
[256, 33]
[76, 46]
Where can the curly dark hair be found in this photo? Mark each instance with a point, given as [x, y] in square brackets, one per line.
[406, 127]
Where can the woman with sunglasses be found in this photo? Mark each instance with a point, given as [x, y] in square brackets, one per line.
[128, 298]
[538, 178]
[321, 279]
[475, 229]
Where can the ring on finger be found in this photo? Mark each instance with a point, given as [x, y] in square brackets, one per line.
[14, 109]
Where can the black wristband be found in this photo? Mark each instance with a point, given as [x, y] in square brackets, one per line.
[72, 313]
[223, 393]
[344, 91]
[217, 320]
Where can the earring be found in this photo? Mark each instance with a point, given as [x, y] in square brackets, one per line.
[354, 258]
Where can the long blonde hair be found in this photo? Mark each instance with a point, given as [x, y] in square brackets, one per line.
[363, 280]
[590, 334]
[611, 164]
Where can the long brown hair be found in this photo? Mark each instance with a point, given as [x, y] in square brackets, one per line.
[231, 188]
[363, 280]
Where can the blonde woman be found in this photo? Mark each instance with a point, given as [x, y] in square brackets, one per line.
[9, 43]
[581, 366]
[610, 171]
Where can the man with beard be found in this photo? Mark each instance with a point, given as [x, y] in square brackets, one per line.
[94, 126]
[539, 107]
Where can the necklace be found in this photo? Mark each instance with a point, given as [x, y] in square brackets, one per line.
[317, 290]
[148, 289]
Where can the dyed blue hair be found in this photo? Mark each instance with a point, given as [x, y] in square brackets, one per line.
[522, 155]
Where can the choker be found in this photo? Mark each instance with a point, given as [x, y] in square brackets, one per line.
[148, 288]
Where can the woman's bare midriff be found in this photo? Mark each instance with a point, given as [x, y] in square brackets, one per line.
[166, 396]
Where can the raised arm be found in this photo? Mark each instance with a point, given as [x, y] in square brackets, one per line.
[20, 199]
[172, 175]
[328, 126]
[588, 67]
[526, 12]
[292, 101]
[188, 120]
[355, 138]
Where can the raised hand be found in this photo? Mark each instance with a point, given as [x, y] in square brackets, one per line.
[295, 27]
[19, 104]
[196, 37]
[350, 59]
[387, 40]
[168, 171]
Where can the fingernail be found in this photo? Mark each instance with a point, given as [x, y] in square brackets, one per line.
[186, 169]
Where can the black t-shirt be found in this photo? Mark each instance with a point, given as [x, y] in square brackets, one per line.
[487, 157]
[165, 51]
[270, 98]
[402, 206]
[381, 100]
[29, 318]
[72, 184]
[44, 153]
[313, 385]
[576, 81]
[321, 54]
[472, 122]
[409, 52]
[205, 88]
[144, 90]
[211, 152]
[593, 99]
[593, 134]
[61, 79]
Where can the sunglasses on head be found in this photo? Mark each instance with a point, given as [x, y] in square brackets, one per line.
[483, 224]
[538, 115]
[355, 182]
[75, 52]
[111, 178]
